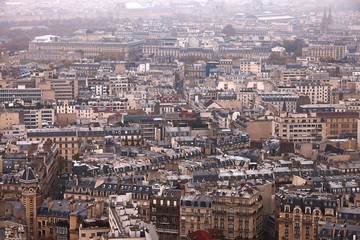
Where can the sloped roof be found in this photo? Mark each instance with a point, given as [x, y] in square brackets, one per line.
[200, 235]
[28, 176]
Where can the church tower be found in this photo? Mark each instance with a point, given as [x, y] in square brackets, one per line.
[330, 20]
[324, 22]
[29, 186]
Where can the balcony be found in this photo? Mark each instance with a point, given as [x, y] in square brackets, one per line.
[166, 230]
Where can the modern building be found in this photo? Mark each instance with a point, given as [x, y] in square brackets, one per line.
[317, 92]
[300, 127]
[25, 94]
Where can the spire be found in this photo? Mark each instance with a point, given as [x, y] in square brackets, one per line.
[330, 20]
[325, 14]
[324, 23]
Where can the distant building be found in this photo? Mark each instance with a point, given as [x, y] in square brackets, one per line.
[89, 49]
[326, 50]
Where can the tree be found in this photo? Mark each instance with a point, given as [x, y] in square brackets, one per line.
[115, 56]
[81, 52]
[229, 30]
[294, 46]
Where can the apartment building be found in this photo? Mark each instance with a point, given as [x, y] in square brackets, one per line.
[65, 106]
[287, 75]
[68, 140]
[165, 214]
[61, 219]
[246, 97]
[196, 69]
[119, 85]
[124, 220]
[301, 218]
[326, 50]
[226, 65]
[281, 101]
[65, 89]
[300, 127]
[195, 214]
[38, 118]
[237, 212]
[248, 67]
[317, 92]
[10, 118]
[340, 124]
[115, 104]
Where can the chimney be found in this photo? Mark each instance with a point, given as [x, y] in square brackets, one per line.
[72, 205]
[333, 231]
[50, 203]
[345, 231]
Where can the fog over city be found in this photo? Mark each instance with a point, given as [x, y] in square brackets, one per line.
[180, 119]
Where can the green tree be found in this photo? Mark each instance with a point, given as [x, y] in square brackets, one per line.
[294, 46]
[229, 30]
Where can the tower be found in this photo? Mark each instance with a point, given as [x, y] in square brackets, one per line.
[29, 186]
[257, 5]
[324, 22]
[329, 19]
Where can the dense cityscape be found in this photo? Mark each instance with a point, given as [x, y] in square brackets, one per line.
[180, 120]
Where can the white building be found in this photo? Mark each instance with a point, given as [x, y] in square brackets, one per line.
[125, 222]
